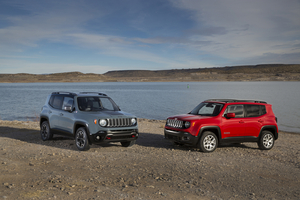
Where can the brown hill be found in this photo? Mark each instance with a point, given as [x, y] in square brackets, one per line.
[269, 72]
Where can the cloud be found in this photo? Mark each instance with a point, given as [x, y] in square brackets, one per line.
[239, 30]
[155, 34]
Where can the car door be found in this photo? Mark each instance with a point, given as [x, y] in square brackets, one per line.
[66, 118]
[233, 127]
[254, 119]
[55, 111]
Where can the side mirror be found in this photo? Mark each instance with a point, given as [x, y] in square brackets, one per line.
[68, 108]
[230, 115]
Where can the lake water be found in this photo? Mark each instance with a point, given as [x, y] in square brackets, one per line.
[23, 101]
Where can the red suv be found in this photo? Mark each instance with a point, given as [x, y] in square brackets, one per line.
[218, 121]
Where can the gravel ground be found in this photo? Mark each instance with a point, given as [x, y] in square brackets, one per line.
[152, 169]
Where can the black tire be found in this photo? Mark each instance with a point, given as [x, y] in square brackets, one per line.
[266, 141]
[45, 131]
[128, 144]
[81, 139]
[208, 142]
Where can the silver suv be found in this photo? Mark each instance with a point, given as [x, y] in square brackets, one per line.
[88, 117]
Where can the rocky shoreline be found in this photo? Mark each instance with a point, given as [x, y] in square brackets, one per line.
[152, 169]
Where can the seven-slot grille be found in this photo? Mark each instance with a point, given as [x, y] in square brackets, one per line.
[175, 123]
[120, 122]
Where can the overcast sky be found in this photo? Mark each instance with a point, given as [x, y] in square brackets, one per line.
[96, 36]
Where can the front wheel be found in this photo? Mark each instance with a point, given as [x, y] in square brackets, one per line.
[45, 131]
[266, 141]
[128, 144]
[208, 142]
[81, 139]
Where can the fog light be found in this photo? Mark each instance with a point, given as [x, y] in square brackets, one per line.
[98, 137]
[185, 138]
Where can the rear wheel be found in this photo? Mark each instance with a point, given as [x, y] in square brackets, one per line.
[45, 131]
[128, 144]
[208, 142]
[81, 139]
[266, 141]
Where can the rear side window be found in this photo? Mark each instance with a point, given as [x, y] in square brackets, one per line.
[56, 101]
[255, 110]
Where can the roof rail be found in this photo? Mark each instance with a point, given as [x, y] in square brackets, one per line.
[236, 100]
[62, 92]
[93, 93]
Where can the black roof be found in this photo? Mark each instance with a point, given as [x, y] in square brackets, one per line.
[80, 93]
[236, 100]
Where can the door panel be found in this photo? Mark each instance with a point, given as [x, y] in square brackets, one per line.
[233, 127]
[253, 126]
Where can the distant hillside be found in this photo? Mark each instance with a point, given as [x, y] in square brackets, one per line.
[57, 77]
[270, 72]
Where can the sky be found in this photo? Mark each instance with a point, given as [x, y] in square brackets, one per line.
[96, 36]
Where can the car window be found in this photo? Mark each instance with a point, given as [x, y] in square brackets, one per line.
[68, 101]
[255, 110]
[207, 109]
[106, 104]
[56, 101]
[95, 104]
[263, 110]
[252, 110]
[237, 109]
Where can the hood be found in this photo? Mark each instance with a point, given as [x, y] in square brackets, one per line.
[189, 117]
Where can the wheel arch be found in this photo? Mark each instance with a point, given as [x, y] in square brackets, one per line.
[215, 129]
[78, 125]
[271, 128]
[44, 118]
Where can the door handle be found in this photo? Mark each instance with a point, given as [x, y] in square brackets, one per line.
[241, 122]
[50, 112]
[61, 114]
[260, 120]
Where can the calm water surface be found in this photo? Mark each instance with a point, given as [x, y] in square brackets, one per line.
[23, 101]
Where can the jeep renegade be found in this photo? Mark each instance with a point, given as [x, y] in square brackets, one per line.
[218, 121]
[88, 117]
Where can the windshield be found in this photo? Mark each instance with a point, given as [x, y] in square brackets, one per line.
[207, 109]
[96, 104]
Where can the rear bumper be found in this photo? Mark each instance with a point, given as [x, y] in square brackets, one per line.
[114, 136]
[181, 137]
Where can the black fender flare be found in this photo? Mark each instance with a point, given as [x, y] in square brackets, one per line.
[44, 118]
[82, 124]
[215, 129]
[271, 128]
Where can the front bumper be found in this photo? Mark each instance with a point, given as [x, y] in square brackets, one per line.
[114, 136]
[181, 137]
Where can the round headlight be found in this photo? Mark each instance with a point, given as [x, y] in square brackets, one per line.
[187, 124]
[133, 121]
[103, 122]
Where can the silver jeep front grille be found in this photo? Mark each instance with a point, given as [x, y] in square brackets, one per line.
[119, 122]
[174, 123]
